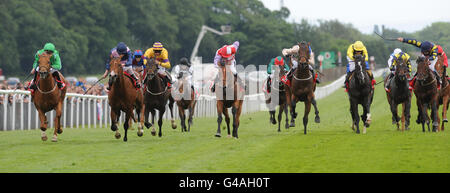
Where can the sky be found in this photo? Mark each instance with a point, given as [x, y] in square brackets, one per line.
[403, 15]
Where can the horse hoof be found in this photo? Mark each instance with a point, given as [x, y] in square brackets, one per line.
[54, 139]
[148, 125]
[357, 131]
[44, 138]
[174, 125]
[218, 135]
[153, 133]
[274, 122]
[113, 127]
[279, 131]
[292, 125]
[445, 120]
[317, 119]
[125, 139]
[286, 126]
[140, 133]
[117, 135]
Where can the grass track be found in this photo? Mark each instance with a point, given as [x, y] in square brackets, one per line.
[330, 146]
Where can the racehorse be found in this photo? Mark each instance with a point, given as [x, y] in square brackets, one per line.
[360, 92]
[156, 96]
[425, 89]
[303, 86]
[399, 94]
[123, 96]
[229, 94]
[185, 99]
[278, 97]
[444, 92]
[48, 97]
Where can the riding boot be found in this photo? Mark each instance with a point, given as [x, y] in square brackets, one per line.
[370, 74]
[109, 84]
[269, 83]
[60, 83]
[138, 84]
[167, 81]
[438, 78]
[213, 88]
[314, 74]
[33, 82]
[347, 76]
[388, 81]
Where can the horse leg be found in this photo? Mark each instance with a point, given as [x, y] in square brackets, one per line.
[227, 121]
[58, 129]
[293, 113]
[172, 120]
[286, 126]
[42, 119]
[153, 112]
[219, 117]
[365, 116]
[407, 112]
[236, 115]
[394, 112]
[272, 117]
[140, 114]
[435, 114]
[316, 110]
[355, 115]
[146, 114]
[160, 120]
[305, 116]
[182, 118]
[280, 115]
[114, 118]
[403, 116]
[191, 115]
[444, 109]
[190, 118]
[127, 124]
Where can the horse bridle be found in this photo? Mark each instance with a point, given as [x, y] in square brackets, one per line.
[46, 72]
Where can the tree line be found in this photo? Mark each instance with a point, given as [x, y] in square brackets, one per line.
[84, 31]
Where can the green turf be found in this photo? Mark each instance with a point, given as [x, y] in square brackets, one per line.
[330, 146]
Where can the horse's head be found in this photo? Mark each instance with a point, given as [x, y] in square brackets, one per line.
[401, 69]
[359, 72]
[116, 68]
[225, 70]
[304, 54]
[423, 71]
[44, 64]
[439, 66]
[152, 68]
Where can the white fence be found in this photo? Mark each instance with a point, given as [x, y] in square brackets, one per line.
[90, 111]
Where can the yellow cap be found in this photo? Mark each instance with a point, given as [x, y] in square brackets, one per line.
[358, 46]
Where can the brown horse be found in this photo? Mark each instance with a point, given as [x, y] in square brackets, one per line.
[229, 94]
[303, 86]
[399, 94]
[278, 97]
[425, 89]
[444, 92]
[156, 96]
[123, 96]
[48, 97]
[185, 101]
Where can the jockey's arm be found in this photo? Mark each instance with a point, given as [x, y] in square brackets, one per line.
[412, 42]
[269, 67]
[216, 60]
[56, 62]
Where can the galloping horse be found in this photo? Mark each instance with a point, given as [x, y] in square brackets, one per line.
[278, 96]
[228, 94]
[123, 96]
[399, 94]
[444, 92]
[303, 86]
[360, 92]
[48, 97]
[156, 96]
[185, 99]
[425, 89]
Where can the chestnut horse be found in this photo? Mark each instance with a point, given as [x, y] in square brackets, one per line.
[184, 96]
[303, 86]
[48, 97]
[399, 93]
[123, 96]
[360, 92]
[278, 97]
[425, 89]
[156, 96]
[444, 92]
[229, 94]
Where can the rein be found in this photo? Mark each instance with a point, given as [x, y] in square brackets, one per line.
[46, 92]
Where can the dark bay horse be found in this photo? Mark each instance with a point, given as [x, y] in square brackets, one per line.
[229, 94]
[444, 92]
[278, 97]
[399, 93]
[425, 89]
[156, 96]
[123, 96]
[303, 86]
[360, 92]
[184, 96]
[48, 97]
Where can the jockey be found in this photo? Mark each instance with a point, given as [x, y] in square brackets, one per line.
[138, 62]
[55, 62]
[275, 61]
[228, 53]
[184, 69]
[357, 47]
[161, 55]
[393, 62]
[429, 50]
[294, 53]
[126, 60]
